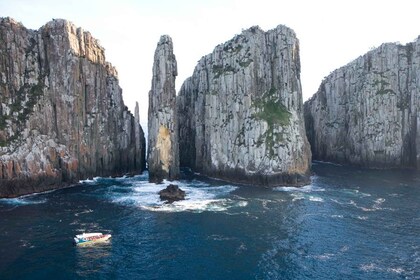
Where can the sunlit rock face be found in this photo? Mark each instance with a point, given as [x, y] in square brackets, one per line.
[367, 112]
[163, 151]
[62, 117]
[241, 113]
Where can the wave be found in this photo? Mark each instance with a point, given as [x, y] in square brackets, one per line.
[371, 267]
[83, 212]
[316, 198]
[200, 196]
[96, 180]
[376, 206]
[89, 181]
[26, 200]
[354, 192]
[326, 162]
[307, 188]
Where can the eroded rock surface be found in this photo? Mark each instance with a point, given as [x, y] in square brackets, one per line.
[241, 112]
[172, 193]
[163, 149]
[367, 112]
[62, 117]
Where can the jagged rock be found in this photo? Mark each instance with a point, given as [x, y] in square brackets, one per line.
[62, 117]
[172, 193]
[241, 113]
[163, 149]
[367, 112]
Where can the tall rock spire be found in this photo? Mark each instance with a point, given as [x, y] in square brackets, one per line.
[163, 158]
[240, 113]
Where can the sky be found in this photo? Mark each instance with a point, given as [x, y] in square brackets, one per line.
[331, 33]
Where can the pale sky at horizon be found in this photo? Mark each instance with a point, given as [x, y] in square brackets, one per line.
[331, 33]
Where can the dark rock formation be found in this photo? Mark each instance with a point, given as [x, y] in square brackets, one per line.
[62, 117]
[241, 113]
[172, 193]
[367, 113]
[163, 150]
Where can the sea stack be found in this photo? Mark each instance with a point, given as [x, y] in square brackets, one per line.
[241, 112]
[163, 147]
[367, 113]
[62, 117]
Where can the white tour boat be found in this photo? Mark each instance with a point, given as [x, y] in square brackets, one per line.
[91, 238]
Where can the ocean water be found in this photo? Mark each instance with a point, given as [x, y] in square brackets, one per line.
[347, 224]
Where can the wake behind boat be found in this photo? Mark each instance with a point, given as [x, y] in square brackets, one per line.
[91, 238]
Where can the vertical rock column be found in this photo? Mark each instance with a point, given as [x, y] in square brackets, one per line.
[163, 150]
[240, 113]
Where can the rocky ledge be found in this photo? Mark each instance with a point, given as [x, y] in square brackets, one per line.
[62, 117]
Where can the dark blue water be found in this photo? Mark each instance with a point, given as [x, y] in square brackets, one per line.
[348, 224]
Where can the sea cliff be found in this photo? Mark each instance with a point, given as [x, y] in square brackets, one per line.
[367, 112]
[240, 114]
[62, 116]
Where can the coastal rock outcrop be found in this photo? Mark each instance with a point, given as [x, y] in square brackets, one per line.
[367, 113]
[241, 112]
[172, 193]
[163, 149]
[62, 117]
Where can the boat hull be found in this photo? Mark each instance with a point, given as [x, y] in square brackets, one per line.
[92, 240]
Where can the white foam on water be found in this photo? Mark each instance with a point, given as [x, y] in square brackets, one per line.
[200, 197]
[305, 189]
[327, 162]
[354, 192]
[297, 196]
[345, 248]
[315, 198]
[214, 205]
[373, 267]
[337, 216]
[363, 218]
[89, 181]
[369, 267]
[305, 196]
[379, 201]
[397, 270]
[27, 200]
[84, 212]
[324, 257]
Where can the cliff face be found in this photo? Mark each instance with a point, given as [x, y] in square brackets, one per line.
[62, 116]
[163, 150]
[367, 112]
[241, 113]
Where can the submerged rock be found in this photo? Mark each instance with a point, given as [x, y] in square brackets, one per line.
[241, 113]
[62, 117]
[172, 193]
[163, 150]
[367, 112]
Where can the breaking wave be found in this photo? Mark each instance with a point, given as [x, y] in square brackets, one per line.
[25, 200]
[200, 197]
[307, 188]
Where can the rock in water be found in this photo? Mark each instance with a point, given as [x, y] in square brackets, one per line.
[241, 112]
[163, 158]
[172, 193]
[367, 112]
[62, 117]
